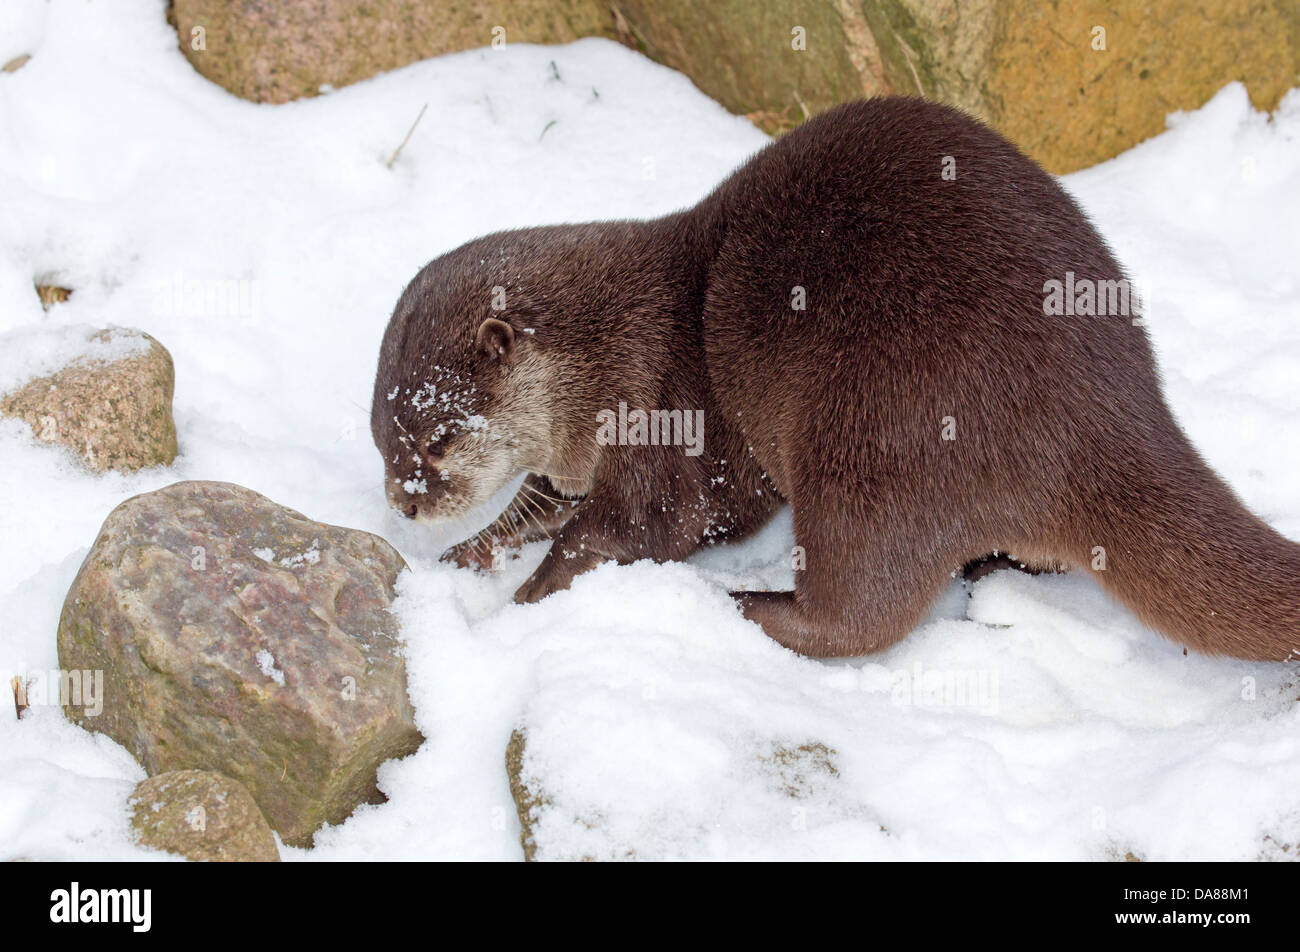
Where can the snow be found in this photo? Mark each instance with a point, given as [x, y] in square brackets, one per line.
[266, 663]
[38, 351]
[265, 247]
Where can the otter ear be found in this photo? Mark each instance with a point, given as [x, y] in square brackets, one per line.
[496, 339]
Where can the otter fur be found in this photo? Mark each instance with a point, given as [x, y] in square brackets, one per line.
[859, 311]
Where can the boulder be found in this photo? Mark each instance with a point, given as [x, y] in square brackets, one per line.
[203, 816]
[111, 402]
[270, 51]
[1039, 73]
[1036, 72]
[776, 62]
[237, 635]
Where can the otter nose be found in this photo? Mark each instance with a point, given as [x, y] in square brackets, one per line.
[414, 496]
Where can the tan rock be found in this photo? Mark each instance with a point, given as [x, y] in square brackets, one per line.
[1071, 106]
[52, 294]
[270, 51]
[747, 55]
[1028, 68]
[203, 816]
[526, 801]
[219, 631]
[112, 404]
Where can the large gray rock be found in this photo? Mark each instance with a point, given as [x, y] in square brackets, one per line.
[237, 635]
[202, 815]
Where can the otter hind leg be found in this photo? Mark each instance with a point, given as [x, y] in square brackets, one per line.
[858, 592]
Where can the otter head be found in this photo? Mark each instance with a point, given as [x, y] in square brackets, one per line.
[456, 412]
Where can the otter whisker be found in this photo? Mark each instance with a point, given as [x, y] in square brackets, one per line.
[535, 521]
[537, 502]
[533, 491]
[555, 478]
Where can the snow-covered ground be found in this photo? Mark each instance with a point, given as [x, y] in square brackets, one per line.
[657, 718]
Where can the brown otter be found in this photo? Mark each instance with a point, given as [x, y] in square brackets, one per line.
[863, 313]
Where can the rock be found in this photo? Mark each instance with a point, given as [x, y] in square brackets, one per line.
[237, 635]
[52, 294]
[526, 802]
[746, 56]
[203, 816]
[269, 51]
[111, 402]
[1032, 69]
[1029, 69]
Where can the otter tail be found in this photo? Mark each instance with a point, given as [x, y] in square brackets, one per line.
[1171, 541]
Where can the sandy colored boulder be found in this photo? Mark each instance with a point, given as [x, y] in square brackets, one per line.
[1070, 105]
[237, 635]
[1072, 84]
[1075, 84]
[271, 51]
[112, 404]
[775, 62]
[203, 816]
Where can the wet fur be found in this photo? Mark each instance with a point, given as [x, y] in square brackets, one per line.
[924, 302]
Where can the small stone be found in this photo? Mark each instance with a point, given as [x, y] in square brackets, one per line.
[203, 816]
[112, 404]
[526, 801]
[52, 294]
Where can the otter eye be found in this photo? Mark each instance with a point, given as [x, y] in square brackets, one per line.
[435, 449]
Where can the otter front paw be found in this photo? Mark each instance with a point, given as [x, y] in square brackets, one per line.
[545, 581]
[557, 572]
[472, 555]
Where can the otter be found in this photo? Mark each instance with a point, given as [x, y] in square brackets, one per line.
[868, 315]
